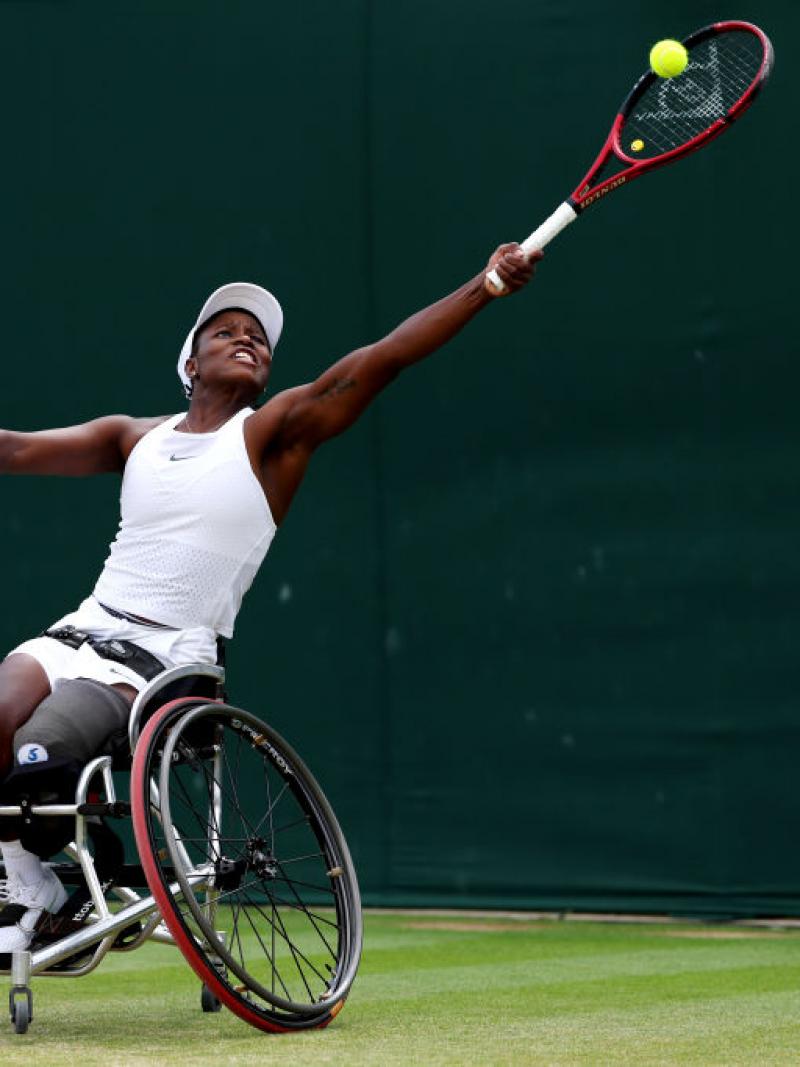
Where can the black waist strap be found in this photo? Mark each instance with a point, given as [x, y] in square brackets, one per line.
[136, 659]
[137, 619]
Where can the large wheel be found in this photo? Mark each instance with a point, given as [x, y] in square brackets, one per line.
[247, 863]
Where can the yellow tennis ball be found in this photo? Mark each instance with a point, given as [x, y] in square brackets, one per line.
[637, 145]
[668, 58]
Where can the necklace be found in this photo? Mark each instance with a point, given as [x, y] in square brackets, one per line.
[187, 428]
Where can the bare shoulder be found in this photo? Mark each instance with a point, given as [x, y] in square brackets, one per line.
[142, 424]
[264, 429]
[131, 429]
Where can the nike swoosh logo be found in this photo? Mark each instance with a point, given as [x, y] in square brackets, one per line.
[175, 459]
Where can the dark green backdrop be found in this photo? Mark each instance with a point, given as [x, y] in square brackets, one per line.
[534, 620]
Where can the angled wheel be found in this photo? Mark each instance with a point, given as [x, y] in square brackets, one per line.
[247, 863]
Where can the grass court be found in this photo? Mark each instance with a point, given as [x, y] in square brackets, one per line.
[459, 989]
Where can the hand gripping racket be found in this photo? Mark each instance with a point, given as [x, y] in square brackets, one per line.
[663, 119]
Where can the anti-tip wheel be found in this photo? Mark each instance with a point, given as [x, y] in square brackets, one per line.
[208, 1002]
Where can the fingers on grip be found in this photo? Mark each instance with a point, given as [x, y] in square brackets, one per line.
[513, 268]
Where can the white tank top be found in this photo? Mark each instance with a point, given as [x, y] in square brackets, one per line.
[194, 529]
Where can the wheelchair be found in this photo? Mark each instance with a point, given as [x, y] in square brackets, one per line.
[241, 864]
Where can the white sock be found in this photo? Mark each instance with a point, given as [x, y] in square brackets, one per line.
[25, 865]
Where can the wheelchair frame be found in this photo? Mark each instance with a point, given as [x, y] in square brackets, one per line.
[181, 716]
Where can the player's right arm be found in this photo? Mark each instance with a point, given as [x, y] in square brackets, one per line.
[101, 446]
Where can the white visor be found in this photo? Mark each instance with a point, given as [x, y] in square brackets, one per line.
[259, 302]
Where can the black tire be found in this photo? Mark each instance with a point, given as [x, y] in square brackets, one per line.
[21, 1016]
[208, 1002]
[270, 863]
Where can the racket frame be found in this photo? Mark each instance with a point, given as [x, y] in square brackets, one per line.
[586, 193]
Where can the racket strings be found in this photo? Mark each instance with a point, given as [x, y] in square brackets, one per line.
[673, 111]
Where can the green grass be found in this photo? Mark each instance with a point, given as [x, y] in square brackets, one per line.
[437, 990]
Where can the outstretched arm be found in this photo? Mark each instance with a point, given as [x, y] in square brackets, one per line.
[95, 447]
[315, 412]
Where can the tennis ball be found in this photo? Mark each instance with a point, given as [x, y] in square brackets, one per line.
[668, 58]
[637, 145]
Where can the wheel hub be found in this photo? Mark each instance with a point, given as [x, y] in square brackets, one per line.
[260, 860]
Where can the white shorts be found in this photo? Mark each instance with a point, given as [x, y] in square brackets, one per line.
[173, 647]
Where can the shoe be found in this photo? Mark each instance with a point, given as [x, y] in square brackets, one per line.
[23, 905]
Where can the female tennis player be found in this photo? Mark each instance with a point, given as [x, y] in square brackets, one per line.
[202, 495]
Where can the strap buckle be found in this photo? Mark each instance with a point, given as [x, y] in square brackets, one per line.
[68, 635]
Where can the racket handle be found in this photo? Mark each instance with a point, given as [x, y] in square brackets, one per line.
[563, 215]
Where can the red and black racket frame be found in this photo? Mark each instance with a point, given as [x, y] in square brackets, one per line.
[589, 190]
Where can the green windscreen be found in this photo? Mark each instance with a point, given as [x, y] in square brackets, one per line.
[532, 622]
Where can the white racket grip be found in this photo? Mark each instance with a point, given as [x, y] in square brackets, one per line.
[563, 215]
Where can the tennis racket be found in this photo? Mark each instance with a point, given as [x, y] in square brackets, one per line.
[663, 119]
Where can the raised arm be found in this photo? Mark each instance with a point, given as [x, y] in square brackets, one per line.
[315, 412]
[97, 447]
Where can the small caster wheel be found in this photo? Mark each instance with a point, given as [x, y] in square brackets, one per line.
[20, 1002]
[208, 1000]
[21, 1017]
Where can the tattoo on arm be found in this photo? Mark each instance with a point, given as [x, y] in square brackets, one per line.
[338, 386]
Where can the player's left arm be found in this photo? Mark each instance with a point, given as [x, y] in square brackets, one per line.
[324, 408]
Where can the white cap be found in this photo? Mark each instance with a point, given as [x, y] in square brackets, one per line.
[259, 302]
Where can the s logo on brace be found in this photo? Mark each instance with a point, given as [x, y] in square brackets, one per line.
[32, 754]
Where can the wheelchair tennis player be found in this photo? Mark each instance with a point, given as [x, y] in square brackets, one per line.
[203, 493]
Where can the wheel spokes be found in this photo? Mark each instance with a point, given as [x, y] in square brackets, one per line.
[272, 879]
